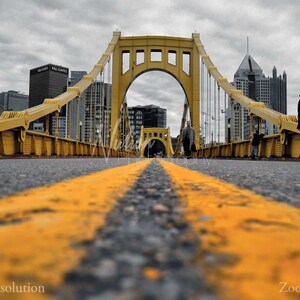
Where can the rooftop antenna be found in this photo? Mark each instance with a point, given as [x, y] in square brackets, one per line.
[247, 45]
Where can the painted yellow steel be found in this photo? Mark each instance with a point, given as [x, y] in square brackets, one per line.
[160, 134]
[41, 144]
[270, 146]
[189, 81]
[283, 122]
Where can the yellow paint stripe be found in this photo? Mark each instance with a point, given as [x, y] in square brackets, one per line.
[261, 236]
[42, 230]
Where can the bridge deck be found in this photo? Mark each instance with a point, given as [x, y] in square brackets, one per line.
[148, 230]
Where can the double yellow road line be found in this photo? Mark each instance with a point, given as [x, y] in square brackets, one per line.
[249, 246]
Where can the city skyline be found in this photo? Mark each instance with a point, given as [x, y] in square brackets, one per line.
[49, 37]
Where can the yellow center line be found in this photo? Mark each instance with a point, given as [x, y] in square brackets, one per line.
[255, 241]
[42, 231]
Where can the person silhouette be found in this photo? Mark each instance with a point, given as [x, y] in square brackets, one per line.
[188, 139]
[298, 127]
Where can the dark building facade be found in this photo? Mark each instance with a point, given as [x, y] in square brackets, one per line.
[278, 91]
[148, 116]
[13, 101]
[47, 81]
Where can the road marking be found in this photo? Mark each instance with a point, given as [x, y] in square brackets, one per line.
[249, 244]
[43, 230]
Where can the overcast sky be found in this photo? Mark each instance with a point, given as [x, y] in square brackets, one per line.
[75, 33]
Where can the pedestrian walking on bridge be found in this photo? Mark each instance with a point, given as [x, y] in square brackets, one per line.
[255, 143]
[298, 127]
[188, 139]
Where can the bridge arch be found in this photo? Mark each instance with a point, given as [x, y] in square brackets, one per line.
[134, 56]
[158, 70]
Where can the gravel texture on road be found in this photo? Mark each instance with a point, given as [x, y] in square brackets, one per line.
[145, 250]
[22, 174]
[279, 180]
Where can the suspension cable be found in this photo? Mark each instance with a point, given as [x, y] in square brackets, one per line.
[206, 115]
[209, 108]
[215, 113]
[219, 116]
[202, 133]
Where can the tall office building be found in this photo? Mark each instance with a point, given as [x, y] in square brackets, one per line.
[96, 125]
[48, 81]
[148, 116]
[76, 76]
[13, 101]
[250, 79]
[278, 91]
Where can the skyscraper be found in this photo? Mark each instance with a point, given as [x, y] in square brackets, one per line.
[250, 79]
[97, 113]
[47, 81]
[278, 91]
[76, 76]
[13, 100]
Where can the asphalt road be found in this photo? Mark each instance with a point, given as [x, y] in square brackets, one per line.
[279, 180]
[145, 250]
[276, 179]
[20, 174]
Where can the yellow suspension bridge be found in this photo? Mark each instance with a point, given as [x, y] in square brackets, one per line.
[118, 226]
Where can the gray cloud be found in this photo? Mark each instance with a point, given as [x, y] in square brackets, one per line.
[76, 33]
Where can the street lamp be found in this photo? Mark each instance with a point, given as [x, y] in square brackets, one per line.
[97, 135]
[80, 130]
[229, 137]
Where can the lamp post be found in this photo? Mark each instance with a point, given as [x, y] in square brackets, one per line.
[97, 136]
[80, 131]
[229, 132]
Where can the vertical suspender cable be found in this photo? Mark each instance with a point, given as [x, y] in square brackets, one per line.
[232, 129]
[209, 109]
[219, 117]
[226, 113]
[202, 132]
[206, 114]
[215, 112]
[108, 98]
[95, 104]
[90, 112]
[84, 117]
[239, 114]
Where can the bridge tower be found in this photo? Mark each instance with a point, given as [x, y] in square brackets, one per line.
[160, 134]
[133, 56]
